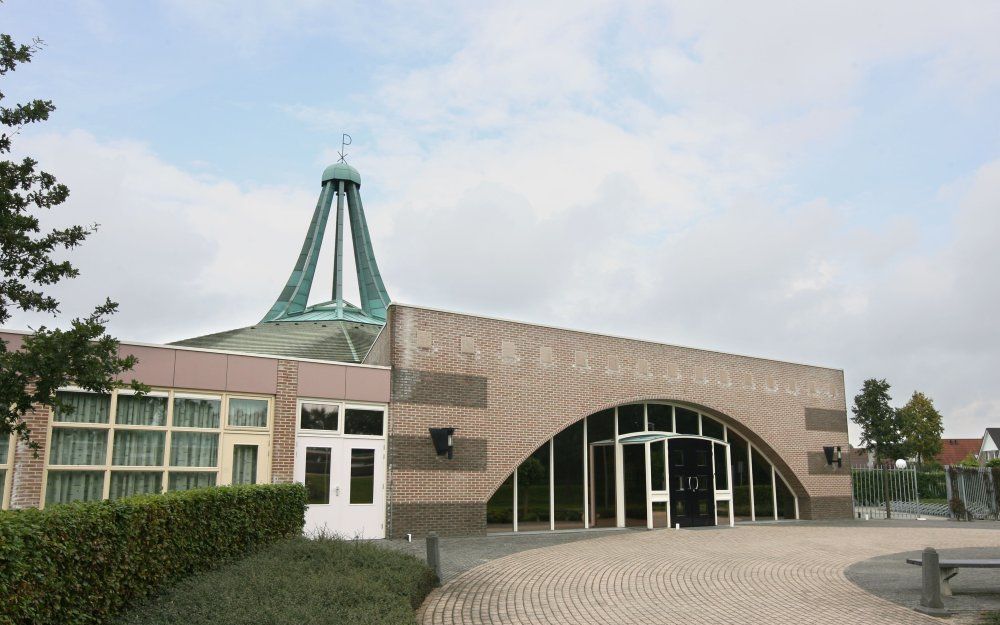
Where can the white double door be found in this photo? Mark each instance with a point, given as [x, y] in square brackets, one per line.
[345, 479]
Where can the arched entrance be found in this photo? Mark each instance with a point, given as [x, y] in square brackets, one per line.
[653, 464]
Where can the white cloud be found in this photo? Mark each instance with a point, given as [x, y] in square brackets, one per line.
[619, 168]
[181, 253]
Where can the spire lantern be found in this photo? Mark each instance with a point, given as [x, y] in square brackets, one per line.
[343, 182]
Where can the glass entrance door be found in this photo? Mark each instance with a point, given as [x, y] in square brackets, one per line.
[345, 482]
[362, 502]
[692, 488]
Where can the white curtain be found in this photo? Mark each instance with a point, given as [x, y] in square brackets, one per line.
[128, 483]
[86, 407]
[78, 446]
[244, 464]
[146, 410]
[248, 413]
[189, 480]
[194, 449]
[67, 486]
[196, 413]
[138, 448]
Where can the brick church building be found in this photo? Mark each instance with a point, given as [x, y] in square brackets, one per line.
[404, 419]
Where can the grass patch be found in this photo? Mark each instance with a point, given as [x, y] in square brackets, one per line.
[990, 618]
[298, 581]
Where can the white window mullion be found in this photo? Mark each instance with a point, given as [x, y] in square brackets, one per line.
[552, 484]
[586, 477]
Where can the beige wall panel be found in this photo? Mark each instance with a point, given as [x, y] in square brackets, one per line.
[200, 370]
[246, 374]
[322, 381]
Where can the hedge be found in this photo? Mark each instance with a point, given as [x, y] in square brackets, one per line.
[298, 581]
[82, 563]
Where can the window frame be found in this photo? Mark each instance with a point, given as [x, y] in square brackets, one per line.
[8, 469]
[299, 430]
[224, 417]
[370, 407]
[342, 406]
[165, 469]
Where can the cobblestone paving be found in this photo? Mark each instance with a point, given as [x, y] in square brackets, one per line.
[749, 574]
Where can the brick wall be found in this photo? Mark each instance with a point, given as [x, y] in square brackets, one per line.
[26, 488]
[283, 443]
[552, 378]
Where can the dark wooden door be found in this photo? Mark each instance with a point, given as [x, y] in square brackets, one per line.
[692, 484]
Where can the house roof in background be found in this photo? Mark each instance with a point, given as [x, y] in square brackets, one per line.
[994, 433]
[954, 450]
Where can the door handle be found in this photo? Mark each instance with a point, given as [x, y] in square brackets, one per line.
[336, 491]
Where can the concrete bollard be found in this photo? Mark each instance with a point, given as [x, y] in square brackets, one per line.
[434, 555]
[930, 593]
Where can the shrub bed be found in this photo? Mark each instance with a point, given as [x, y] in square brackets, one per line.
[300, 581]
[82, 563]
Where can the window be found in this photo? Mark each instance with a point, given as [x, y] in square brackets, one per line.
[244, 464]
[314, 416]
[362, 476]
[6, 458]
[686, 420]
[364, 422]
[327, 417]
[196, 412]
[318, 471]
[248, 413]
[123, 444]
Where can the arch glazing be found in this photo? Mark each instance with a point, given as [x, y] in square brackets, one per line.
[652, 464]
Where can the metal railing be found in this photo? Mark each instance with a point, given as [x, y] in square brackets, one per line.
[955, 492]
[972, 492]
[885, 493]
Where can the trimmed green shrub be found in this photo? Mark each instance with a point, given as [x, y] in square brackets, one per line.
[296, 582]
[82, 563]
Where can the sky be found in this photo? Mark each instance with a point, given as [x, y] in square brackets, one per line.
[814, 182]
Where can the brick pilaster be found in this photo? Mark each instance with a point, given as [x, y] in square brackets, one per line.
[283, 450]
[26, 487]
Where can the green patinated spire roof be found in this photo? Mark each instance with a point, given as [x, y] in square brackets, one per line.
[342, 181]
[332, 330]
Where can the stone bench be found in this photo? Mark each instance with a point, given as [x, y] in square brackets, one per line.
[949, 569]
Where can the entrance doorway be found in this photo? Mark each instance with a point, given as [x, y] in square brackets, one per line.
[626, 476]
[692, 483]
[658, 479]
[345, 480]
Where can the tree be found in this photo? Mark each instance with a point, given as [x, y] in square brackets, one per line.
[881, 428]
[922, 428]
[882, 431]
[969, 462]
[84, 354]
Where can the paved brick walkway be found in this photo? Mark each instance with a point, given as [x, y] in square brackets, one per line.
[749, 574]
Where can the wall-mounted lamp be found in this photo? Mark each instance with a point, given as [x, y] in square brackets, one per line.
[833, 454]
[444, 441]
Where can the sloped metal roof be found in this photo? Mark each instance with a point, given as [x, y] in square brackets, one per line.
[336, 340]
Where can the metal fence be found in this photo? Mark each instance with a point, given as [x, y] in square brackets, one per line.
[973, 492]
[955, 492]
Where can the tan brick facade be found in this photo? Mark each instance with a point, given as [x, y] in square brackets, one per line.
[29, 467]
[538, 380]
[283, 463]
